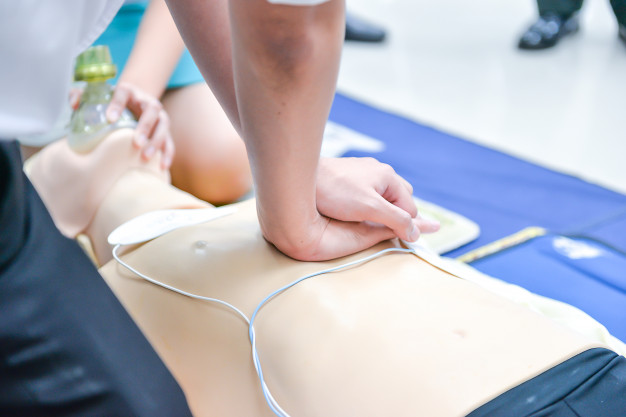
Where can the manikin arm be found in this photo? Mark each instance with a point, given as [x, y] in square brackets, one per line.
[274, 69]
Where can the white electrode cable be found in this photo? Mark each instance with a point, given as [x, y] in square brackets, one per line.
[271, 402]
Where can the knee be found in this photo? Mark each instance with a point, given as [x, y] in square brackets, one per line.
[218, 174]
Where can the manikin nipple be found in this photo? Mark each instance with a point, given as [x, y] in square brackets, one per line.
[200, 247]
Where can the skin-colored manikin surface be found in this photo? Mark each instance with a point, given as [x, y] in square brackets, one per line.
[395, 336]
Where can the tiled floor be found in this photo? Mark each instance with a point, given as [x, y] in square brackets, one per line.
[453, 64]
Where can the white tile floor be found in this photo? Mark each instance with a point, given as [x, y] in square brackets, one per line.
[453, 64]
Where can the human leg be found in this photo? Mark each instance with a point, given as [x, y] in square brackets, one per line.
[557, 18]
[211, 161]
[67, 347]
[619, 8]
[563, 8]
[361, 30]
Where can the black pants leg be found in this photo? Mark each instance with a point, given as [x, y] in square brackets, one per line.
[619, 8]
[67, 346]
[560, 7]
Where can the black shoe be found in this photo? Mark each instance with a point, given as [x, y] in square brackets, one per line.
[358, 29]
[622, 33]
[548, 30]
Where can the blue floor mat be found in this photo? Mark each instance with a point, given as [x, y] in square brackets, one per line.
[579, 271]
[501, 193]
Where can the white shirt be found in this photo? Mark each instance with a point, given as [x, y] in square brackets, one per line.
[38, 43]
[39, 40]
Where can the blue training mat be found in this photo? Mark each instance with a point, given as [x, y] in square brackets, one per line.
[501, 193]
[579, 271]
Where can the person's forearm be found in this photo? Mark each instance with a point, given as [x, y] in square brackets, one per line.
[156, 51]
[282, 73]
[205, 27]
[285, 67]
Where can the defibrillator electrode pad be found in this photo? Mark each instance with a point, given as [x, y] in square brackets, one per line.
[156, 223]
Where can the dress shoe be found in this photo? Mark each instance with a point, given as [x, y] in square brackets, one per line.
[548, 30]
[358, 29]
[622, 33]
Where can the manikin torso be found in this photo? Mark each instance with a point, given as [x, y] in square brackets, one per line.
[395, 336]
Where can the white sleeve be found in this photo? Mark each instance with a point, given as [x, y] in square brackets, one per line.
[38, 43]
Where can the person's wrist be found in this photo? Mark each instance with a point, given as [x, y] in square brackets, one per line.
[297, 233]
[140, 84]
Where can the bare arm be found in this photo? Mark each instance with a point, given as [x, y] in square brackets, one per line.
[288, 60]
[205, 28]
[274, 69]
[156, 52]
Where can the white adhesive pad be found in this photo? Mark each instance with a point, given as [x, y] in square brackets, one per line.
[156, 223]
[424, 252]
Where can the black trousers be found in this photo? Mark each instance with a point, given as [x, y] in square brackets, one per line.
[568, 7]
[590, 384]
[67, 346]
